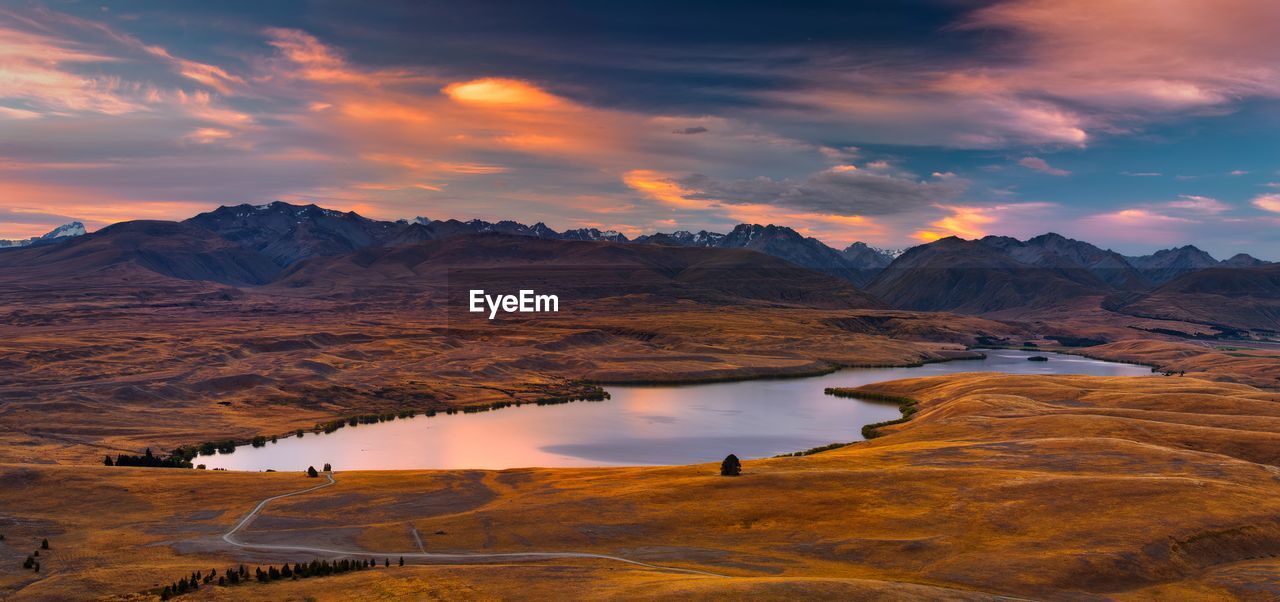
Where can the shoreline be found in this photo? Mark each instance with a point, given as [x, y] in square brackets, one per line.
[868, 431]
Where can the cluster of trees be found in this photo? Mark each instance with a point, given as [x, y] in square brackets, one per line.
[149, 460]
[227, 446]
[333, 425]
[237, 575]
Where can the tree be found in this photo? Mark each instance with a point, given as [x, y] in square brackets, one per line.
[311, 472]
[731, 467]
[44, 545]
[327, 467]
[402, 561]
[386, 562]
[106, 461]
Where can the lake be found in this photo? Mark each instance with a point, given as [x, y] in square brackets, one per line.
[640, 425]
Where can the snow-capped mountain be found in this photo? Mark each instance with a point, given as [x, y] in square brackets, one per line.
[63, 231]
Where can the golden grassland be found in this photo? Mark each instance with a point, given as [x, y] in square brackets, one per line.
[105, 380]
[1212, 360]
[1049, 487]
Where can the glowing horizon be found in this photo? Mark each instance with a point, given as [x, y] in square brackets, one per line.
[1130, 125]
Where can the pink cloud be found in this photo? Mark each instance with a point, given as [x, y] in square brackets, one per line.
[1267, 202]
[1199, 204]
[1040, 165]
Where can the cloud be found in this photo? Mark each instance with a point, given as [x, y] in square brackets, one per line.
[1040, 165]
[1051, 73]
[968, 221]
[41, 74]
[840, 190]
[111, 126]
[1199, 204]
[1138, 225]
[1267, 202]
[660, 186]
[502, 93]
[1143, 56]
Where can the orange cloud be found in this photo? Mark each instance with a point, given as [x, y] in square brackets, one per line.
[385, 110]
[502, 93]
[977, 221]
[659, 186]
[965, 222]
[38, 70]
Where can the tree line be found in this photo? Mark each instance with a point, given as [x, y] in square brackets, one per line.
[299, 570]
[149, 460]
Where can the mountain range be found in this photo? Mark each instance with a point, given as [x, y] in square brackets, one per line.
[309, 248]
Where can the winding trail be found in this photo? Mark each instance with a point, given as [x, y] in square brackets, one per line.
[442, 558]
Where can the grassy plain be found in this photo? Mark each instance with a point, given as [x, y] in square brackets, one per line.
[1049, 487]
[81, 380]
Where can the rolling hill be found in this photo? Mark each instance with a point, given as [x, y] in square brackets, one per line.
[1234, 298]
[139, 249]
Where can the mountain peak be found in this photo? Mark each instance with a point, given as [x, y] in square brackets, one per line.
[64, 231]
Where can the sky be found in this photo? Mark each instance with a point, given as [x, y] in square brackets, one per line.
[1133, 124]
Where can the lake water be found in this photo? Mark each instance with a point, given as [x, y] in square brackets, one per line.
[640, 425]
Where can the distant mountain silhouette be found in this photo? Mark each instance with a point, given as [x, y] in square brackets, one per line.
[1246, 298]
[978, 277]
[282, 245]
[1055, 251]
[288, 233]
[572, 269]
[1163, 266]
[169, 249]
[783, 242]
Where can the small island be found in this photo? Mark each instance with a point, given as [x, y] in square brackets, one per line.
[1037, 358]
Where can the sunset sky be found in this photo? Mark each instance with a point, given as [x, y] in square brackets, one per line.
[1134, 124]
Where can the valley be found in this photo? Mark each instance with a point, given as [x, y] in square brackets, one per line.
[169, 336]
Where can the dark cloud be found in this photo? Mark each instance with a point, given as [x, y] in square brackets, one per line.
[697, 129]
[837, 191]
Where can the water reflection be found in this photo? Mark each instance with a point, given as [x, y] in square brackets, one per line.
[638, 426]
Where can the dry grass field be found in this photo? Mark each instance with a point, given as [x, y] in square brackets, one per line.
[1049, 487]
[81, 381]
